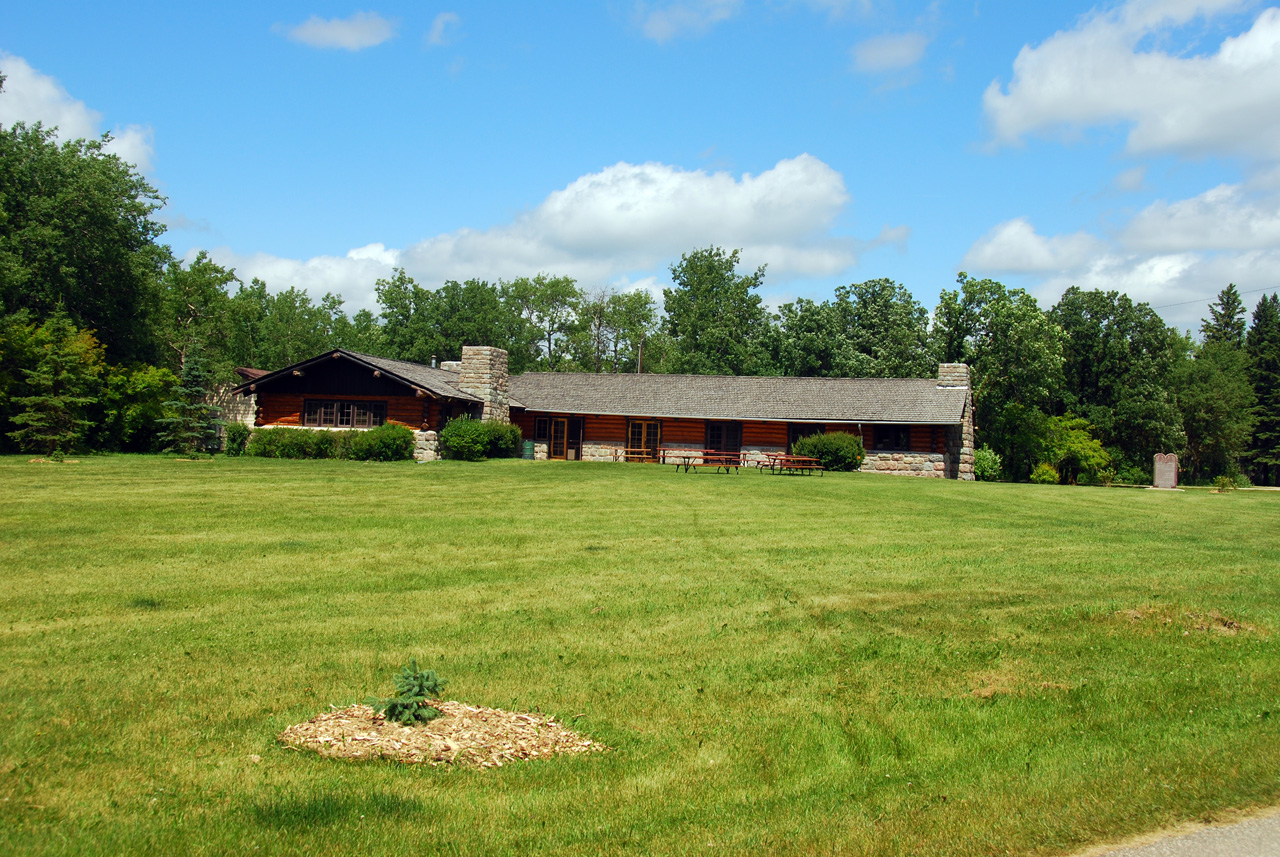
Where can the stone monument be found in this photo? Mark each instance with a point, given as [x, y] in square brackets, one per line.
[1166, 470]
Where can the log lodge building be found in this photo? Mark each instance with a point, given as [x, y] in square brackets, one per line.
[910, 426]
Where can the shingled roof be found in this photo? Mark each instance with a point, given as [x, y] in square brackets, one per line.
[719, 397]
[441, 382]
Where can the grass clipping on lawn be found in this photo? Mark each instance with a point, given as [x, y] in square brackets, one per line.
[462, 735]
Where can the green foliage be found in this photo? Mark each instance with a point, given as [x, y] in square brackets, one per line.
[76, 233]
[715, 316]
[465, 438]
[289, 443]
[612, 330]
[503, 439]
[235, 438]
[1014, 352]
[1073, 451]
[875, 329]
[193, 424]
[1225, 324]
[837, 450]
[131, 407]
[1119, 364]
[986, 464]
[546, 308]
[1223, 484]
[1044, 474]
[1263, 348]
[69, 365]
[1217, 403]
[390, 442]
[415, 690]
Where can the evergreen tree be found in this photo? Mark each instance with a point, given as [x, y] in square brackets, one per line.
[1226, 319]
[193, 426]
[1263, 348]
[69, 364]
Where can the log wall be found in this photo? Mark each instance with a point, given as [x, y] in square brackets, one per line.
[285, 409]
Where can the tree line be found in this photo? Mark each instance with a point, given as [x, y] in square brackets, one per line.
[105, 337]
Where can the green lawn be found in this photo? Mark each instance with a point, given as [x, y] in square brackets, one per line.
[846, 664]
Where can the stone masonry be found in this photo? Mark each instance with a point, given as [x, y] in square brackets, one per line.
[959, 458]
[426, 446]
[906, 463]
[483, 374]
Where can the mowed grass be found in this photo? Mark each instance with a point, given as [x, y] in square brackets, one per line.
[836, 665]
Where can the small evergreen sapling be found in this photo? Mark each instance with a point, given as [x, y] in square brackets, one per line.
[415, 689]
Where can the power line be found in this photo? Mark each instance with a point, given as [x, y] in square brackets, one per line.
[1204, 300]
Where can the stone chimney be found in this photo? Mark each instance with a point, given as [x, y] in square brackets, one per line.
[483, 374]
[953, 375]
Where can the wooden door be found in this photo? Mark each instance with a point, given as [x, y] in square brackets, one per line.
[559, 434]
[644, 435]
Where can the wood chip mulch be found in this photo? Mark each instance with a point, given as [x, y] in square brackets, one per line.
[462, 735]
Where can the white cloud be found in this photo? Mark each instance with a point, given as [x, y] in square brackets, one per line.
[627, 220]
[1169, 254]
[1100, 73]
[1015, 247]
[361, 30]
[1222, 218]
[444, 24]
[30, 96]
[889, 53]
[686, 18]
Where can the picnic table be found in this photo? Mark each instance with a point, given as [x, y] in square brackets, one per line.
[691, 459]
[781, 462]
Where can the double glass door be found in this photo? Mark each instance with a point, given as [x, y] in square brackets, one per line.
[643, 437]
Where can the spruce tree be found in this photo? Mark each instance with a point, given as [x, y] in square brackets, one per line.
[68, 366]
[193, 426]
[1225, 324]
[1263, 347]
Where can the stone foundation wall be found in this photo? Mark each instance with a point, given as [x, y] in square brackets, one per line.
[930, 464]
[541, 450]
[426, 446]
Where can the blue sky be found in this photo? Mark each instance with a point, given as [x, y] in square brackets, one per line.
[1125, 145]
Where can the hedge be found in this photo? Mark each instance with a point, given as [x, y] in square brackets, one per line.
[390, 442]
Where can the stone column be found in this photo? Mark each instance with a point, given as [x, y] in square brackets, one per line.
[483, 374]
[960, 438]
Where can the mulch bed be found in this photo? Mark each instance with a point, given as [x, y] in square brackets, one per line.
[462, 735]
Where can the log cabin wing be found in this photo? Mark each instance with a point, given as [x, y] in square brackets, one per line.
[916, 426]
[346, 389]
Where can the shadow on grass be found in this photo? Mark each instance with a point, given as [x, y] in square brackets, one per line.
[298, 811]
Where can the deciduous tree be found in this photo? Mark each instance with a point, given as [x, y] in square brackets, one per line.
[715, 316]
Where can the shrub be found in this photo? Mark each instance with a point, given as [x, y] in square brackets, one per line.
[838, 450]
[235, 439]
[504, 440]
[465, 438]
[1045, 474]
[986, 464]
[414, 690]
[1133, 474]
[389, 442]
[1223, 484]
